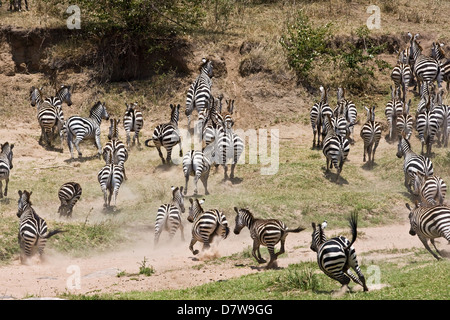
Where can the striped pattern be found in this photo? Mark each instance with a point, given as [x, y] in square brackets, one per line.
[427, 126]
[110, 178]
[197, 163]
[6, 164]
[80, 128]
[336, 256]
[33, 231]
[168, 217]
[412, 164]
[69, 194]
[394, 109]
[335, 149]
[430, 223]
[114, 147]
[432, 189]
[348, 109]
[371, 135]
[206, 225]
[133, 121]
[405, 122]
[437, 52]
[167, 135]
[199, 91]
[265, 232]
[317, 115]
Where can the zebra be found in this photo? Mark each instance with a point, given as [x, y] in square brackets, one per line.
[69, 194]
[337, 255]
[441, 113]
[340, 125]
[168, 217]
[211, 122]
[412, 164]
[266, 232]
[437, 52]
[348, 109]
[405, 122]
[86, 128]
[432, 189]
[206, 225]
[401, 75]
[110, 178]
[199, 91]
[133, 121]
[167, 135]
[371, 135]
[33, 231]
[115, 147]
[317, 113]
[427, 126]
[335, 148]
[394, 109]
[429, 223]
[17, 4]
[228, 146]
[6, 164]
[425, 68]
[198, 164]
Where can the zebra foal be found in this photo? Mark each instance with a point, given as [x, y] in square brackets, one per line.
[430, 223]
[266, 232]
[336, 256]
[133, 121]
[69, 194]
[168, 217]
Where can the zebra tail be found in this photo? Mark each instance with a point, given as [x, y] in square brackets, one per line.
[296, 230]
[353, 221]
[147, 143]
[53, 232]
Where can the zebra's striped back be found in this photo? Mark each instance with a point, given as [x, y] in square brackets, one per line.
[430, 223]
[317, 114]
[371, 135]
[393, 110]
[133, 121]
[199, 92]
[115, 148]
[401, 75]
[6, 164]
[432, 189]
[69, 194]
[427, 126]
[33, 231]
[336, 255]
[405, 122]
[206, 225]
[168, 217]
[197, 163]
[110, 178]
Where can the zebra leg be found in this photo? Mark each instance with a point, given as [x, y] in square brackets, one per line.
[1, 189]
[197, 176]
[425, 244]
[225, 172]
[233, 165]
[191, 246]
[169, 156]
[41, 246]
[273, 257]
[182, 231]
[256, 253]
[160, 154]
[204, 179]
[434, 245]
[128, 139]
[6, 187]
[76, 143]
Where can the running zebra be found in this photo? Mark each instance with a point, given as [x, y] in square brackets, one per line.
[336, 256]
[199, 91]
[425, 68]
[197, 163]
[432, 189]
[371, 135]
[167, 135]
[335, 149]
[266, 232]
[412, 164]
[437, 52]
[405, 122]
[33, 232]
[133, 121]
[6, 164]
[110, 178]
[206, 225]
[427, 126]
[82, 128]
[348, 109]
[430, 223]
[394, 109]
[69, 194]
[317, 114]
[168, 217]
[401, 76]
[115, 147]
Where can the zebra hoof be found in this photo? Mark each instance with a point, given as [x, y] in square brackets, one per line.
[195, 252]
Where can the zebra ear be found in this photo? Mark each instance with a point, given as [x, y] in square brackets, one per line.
[181, 190]
[12, 146]
[313, 225]
[190, 200]
[324, 224]
[236, 209]
[204, 60]
[201, 201]
[20, 193]
[407, 206]
[172, 187]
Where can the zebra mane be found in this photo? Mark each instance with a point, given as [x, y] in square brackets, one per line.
[244, 210]
[95, 107]
[6, 146]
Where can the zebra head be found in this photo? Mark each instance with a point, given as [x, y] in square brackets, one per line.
[207, 67]
[99, 111]
[24, 202]
[241, 220]
[178, 198]
[318, 236]
[403, 145]
[175, 113]
[64, 95]
[195, 209]
[412, 217]
[36, 96]
[7, 150]
[113, 129]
